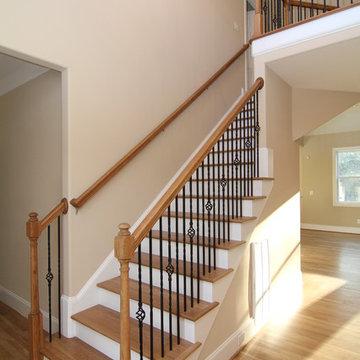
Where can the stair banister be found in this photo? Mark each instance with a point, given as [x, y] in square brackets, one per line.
[142, 230]
[94, 188]
[34, 228]
[258, 19]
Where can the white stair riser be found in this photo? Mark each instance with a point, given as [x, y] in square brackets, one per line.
[228, 169]
[205, 286]
[221, 255]
[232, 206]
[102, 343]
[236, 229]
[258, 187]
[187, 327]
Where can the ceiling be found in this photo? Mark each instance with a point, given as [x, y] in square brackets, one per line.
[15, 72]
[334, 67]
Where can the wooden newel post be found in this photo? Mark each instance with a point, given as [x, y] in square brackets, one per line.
[123, 252]
[36, 339]
[286, 11]
[258, 19]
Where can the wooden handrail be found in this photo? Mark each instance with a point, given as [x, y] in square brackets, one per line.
[146, 225]
[309, 5]
[94, 188]
[61, 208]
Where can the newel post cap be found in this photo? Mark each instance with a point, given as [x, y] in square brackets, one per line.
[123, 242]
[33, 226]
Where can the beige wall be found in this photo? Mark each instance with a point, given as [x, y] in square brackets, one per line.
[317, 175]
[312, 108]
[279, 222]
[30, 176]
[127, 66]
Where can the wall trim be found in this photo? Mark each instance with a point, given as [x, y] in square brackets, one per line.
[332, 228]
[231, 345]
[22, 306]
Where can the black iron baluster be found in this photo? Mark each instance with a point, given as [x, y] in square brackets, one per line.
[324, 6]
[184, 245]
[252, 154]
[161, 289]
[59, 274]
[300, 10]
[151, 298]
[217, 178]
[191, 233]
[140, 314]
[223, 185]
[242, 160]
[214, 207]
[197, 236]
[209, 208]
[232, 171]
[278, 15]
[247, 144]
[228, 184]
[49, 278]
[257, 130]
[177, 268]
[236, 162]
[203, 214]
[170, 270]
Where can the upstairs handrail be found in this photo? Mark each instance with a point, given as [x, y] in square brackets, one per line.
[34, 228]
[96, 186]
[272, 16]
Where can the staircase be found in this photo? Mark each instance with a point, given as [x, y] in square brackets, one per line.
[180, 272]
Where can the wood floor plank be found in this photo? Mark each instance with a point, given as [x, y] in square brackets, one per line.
[192, 313]
[327, 325]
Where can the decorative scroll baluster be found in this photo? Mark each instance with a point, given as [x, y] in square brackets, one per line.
[232, 172]
[197, 236]
[257, 131]
[214, 206]
[218, 189]
[191, 234]
[223, 184]
[49, 279]
[208, 209]
[140, 314]
[170, 271]
[161, 290]
[236, 162]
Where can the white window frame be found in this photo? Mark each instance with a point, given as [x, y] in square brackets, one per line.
[335, 178]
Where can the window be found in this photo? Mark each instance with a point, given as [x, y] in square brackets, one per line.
[346, 181]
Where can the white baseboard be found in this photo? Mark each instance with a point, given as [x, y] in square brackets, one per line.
[341, 229]
[234, 343]
[22, 306]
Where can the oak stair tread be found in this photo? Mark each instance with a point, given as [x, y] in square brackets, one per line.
[213, 276]
[221, 218]
[193, 313]
[254, 197]
[107, 322]
[224, 244]
[70, 349]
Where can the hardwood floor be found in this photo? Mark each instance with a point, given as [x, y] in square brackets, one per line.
[327, 325]
[13, 335]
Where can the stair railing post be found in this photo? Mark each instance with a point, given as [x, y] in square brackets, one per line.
[258, 19]
[123, 252]
[287, 10]
[36, 339]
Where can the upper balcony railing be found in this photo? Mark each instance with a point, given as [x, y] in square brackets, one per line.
[271, 15]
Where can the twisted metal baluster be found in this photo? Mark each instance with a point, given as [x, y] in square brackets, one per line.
[49, 278]
[140, 314]
[177, 268]
[170, 270]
